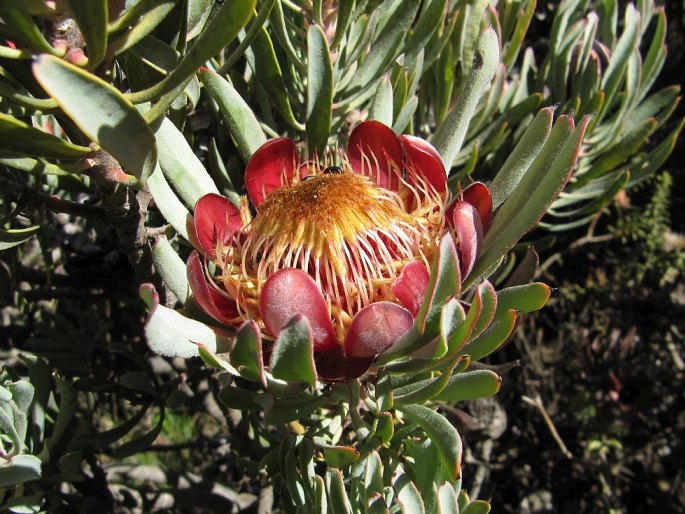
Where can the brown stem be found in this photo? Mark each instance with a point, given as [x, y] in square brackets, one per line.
[126, 210]
[589, 238]
[51, 202]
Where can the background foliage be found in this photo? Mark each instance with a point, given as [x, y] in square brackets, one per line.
[114, 426]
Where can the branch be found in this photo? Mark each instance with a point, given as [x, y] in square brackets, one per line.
[52, 203]
[126, 211]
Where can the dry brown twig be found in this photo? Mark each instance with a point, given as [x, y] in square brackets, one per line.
[537, 403]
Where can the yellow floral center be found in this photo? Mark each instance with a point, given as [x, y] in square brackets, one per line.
[325, 215]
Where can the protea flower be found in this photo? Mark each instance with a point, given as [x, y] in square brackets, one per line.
[345, 241]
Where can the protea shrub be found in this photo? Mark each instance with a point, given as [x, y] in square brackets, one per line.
[293, 185]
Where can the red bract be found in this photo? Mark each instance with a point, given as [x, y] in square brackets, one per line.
[345, 244]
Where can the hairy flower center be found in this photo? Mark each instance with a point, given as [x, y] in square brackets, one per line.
[350, 235]
[326, 213]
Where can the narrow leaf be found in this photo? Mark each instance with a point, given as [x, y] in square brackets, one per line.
[171, 267]
[385, 47]
[451, 133]
[270, 76]
[524, 298]
[337, 497]
[218, 33]
[424, 390]
[168, 203]
[181, 166]
[14, 237]
[522, 157]
[533, 195]
[319, 90]
[428, 22]
[494, 337]
[18, 26]
[17, 136]
[242, 123]
[381, 108]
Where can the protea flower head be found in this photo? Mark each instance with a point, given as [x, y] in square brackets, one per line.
[344, 240]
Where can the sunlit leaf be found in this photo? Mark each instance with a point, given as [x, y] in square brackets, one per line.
[19, 469]
[171, 334]
[292, 357]
[450, 134]
[470, 386]
[381, 108]
[171, 268]
[102, 113]
[242, 123]
[17, 136]
[13, 237]
[319, 89]
[92, 19]
[443, 434]
[339, 456]
[181, 166]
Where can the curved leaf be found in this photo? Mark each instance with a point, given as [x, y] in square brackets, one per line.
[381, 108]
[246, 354]
[533, 195]
[16, 136]
[521, 157]
[18, 26]
[19, 469]
[408, 495]
[339, 456]
[221, 30]
[385, 46]
[494, 337]
[443, 434]
[92, 18]
[470, 386]
[524, 298]
[337, 497]
[102, 113]
[270, 76]
[14, 237]
[171, 334]
[168, 203]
